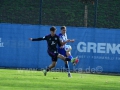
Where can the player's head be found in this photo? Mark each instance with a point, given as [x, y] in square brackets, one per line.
[53, 30]
[63, 29]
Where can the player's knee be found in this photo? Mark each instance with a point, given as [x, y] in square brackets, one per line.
[53, 65]
[60, 56]
[68, 53]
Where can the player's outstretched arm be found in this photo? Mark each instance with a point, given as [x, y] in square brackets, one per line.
[63, 43]
[30, 39]
[37, 39]
[72, 40]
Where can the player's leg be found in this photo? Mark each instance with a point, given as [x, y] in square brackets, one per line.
[73, 60]
[63, 52]
[52, 65]
[67, 67]
[54, 62]
[68, 53]
[66, 63]
[68, 49]
[63, 57]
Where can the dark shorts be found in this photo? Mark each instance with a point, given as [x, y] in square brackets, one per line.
[53, 55]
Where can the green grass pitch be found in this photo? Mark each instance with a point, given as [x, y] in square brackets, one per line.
[34, 80]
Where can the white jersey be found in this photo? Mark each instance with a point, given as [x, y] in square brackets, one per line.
[62, 37]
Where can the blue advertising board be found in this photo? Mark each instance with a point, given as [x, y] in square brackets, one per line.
[98, 49]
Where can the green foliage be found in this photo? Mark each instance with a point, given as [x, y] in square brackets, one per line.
[19, 11]
[108, 14]
[60, 12]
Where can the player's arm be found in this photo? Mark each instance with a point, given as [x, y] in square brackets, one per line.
[38, 39]
[59, 42]
[71, 40]
[63, 43]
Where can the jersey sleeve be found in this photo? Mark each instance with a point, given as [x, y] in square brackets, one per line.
[39, 39]
[59, 43]
[60, 37]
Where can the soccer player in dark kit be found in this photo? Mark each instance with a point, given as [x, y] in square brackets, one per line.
[52, 41]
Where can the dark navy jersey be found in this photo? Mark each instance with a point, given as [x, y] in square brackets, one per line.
[52, 41]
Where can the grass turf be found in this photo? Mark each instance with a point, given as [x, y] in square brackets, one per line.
[34, 80]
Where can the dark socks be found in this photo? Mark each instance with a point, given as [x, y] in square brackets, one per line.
[68, 59]
[66, 66]
[47, 69]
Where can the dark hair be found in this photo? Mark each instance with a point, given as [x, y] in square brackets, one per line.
[53, 28]
[63, 27]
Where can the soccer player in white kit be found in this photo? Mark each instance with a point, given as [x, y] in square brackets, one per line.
[66, 51]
